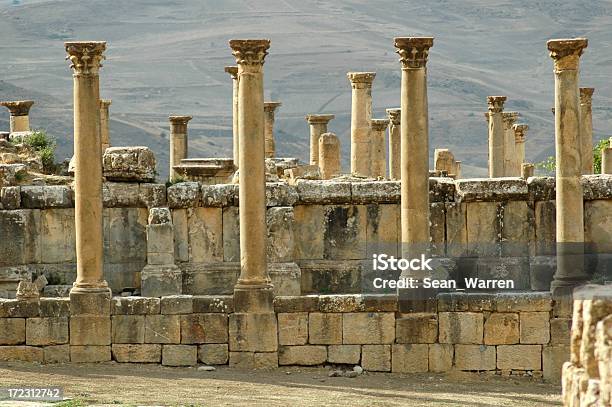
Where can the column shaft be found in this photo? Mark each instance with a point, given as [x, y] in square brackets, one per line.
[496, 136]
[606, 159]
[104, 124]
[394, 143]
[378, 153]
[361, 114]
[233, 71]
[329, 155]
[510, 155]
[586, 130]
[179, 142]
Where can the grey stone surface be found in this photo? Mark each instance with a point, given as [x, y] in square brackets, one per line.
[133, 164]
[184, 195]
[492, 189]
[53, 196]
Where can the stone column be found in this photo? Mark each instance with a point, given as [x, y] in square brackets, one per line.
[269, 110]
[233, 72]
[361, 114]
[496, 136]
[586, 130]
[178, 142]
[510, 168]
[329, 155]
[378, 154]
[527, 170]
[20, 114]
[606, 159]
[394, 143]
[520, 130]
[569, 196]
[104, 123]
[318, 125]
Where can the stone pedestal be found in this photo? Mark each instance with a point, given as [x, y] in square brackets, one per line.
[586, 130]
[318, 125]
[378, 156]
[20, 114]
[606, 159]
[233, 72]
[394, 143]
[496, 136]
[178, 142]
[527, 170]
[361, 114]
[511, 169]
[105, 124]
[520, 131]
[329, 155]
[270, 145]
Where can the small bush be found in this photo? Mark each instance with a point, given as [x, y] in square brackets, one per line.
[44, 145]
[601, 144]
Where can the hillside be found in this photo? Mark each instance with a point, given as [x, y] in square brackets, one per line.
[167, 57]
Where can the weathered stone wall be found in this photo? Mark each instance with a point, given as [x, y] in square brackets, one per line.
[321, 233]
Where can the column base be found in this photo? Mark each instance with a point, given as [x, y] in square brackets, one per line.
[90, 302]
[253, 298]
[253, 332]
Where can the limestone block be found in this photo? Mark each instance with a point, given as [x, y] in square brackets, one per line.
[553, 358]
[376, 358]
[519, 357]
[517, 231]
[213, 303]
[523, 301]
[14, 308]
[177, 304]
[220, 195]
[133, 164]
[492, 189]
[325, 328]
[442, 189]
[379, 302]
[163, 329]
[161, 280]
[409, 358]
[545, 227]
[453, 301]
[461, 327]
[179, 355]
[135, 306]
[231, 234]
[24, 246]
[90, 354]
[10, 198]
[375, 192]
[304, 303]
[456, 228]
[323, 192]
[344, 354]
[330, 276]
[205, 234]
[475, 357]
[483, 228]
[152, 195]
[341, 303]
[345, 232]
[47, 331]
[478, 302]
[47, 196]
[368, 328]
[280, 194]
[90, 330]
[204, 328]
[383, 229]
[242, 360]
[501, 328]
[137, 353]
[121, 195]
[596, 186]
[535, 327]
[280, 244]
[58, 290]
[58, 241]
[541, 188]
[160, 244]
[253, 332]
[56, 354]
[603, 354]
[125, 238]
[12, 331]
[21, 353]
[213, 354]
[286, 278]
[309, 231]
[598, 224]
[184, 195]
[416, 328]
[84, 303]
[293, 328]
[265, 360]
[440, 357]
[437, 223]
[128, 328]
[596, 305]
[308, 355]
[181, 235]
[210, 278]
[560, 331]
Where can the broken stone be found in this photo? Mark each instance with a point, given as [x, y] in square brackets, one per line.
[131, 164]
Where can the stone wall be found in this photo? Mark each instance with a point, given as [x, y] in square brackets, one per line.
[321, 233]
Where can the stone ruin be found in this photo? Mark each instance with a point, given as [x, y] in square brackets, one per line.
[260, 261]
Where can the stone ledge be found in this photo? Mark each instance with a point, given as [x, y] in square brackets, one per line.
[184, 195]
[53, 196]
[492, 189]
[323, 192]
[10, 198]
[375, 192]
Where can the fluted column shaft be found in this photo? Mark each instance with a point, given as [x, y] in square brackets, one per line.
[361, 114]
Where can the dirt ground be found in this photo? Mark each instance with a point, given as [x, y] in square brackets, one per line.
[132, 384]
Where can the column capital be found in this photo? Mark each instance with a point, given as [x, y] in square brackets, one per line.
[85, 56]
[496, 103]
[566, 52]
[271, 106]
[250, 53]
[319, 118]
[520, 130]
[413, 51]
[586, 94]
[105, 103]
[232, 70]
[509, 118]
[394, 115]
[178, 120]
[379, 124]
[360, 80]
[18, 107]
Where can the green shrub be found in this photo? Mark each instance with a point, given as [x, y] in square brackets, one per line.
[44, 145]
[601, 144]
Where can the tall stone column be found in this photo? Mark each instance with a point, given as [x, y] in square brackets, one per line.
[105, 123]
[378, 153]
[394, 143]
[318, 125]
[496, 136]
[569, 195]
[329, 155]
[233, 72]
[179, 142]
[586, 129]
[510, 168]
[269, 110]
[20, 114]
[361, 114]
[520, 130]
[606, 158]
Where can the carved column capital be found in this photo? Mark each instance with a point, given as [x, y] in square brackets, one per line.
[179, 120]
[413, 51]
[232, 71]
[18, 107]
[520, 130]
[586, 94]
[86, 56]
[361, 80]
[319, 118]
[270, 107]
[566, 52]
[379, 124]
[250, 54]
[105, 103]
[509, 118]
[496, 103]
[395, 116]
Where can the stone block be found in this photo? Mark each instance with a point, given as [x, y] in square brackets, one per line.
[293, 328]
[253, 332]
[24, 246]
[309, 227]
[265, 360]
[135, 306]
[330, 276]
[341, 303]
[125, 237]
[184, 195]
[304, 303]
[179, 355]
[242, 360]
[379, 302]
[325, 328]
[286, 278]
[323, 192]
[598, 224]
[383, 229]
[375, 192]
[231, 234]
[308, 355]
[501, 328]
[541, 188]
[56, 354]
[83, 303]
[410, 358]
[180, 226]
[368, 328]
[416, 328]
[210, 278]
[519, 357]
[440, 357]
[280, 194]
[90, 354]
[220, 195]
[54, 307]
[517, 232]
[437, 230]
[213, 303]
[479, 302]
[160, 243]
[132, 164]
[280, 236]
[137, 353]
[58, 241]
[47, 331]
[19, 309]
[535, 327]
[344, 354]
[163, 329]
[204, 328]
[128, 328]
[205, 234]
[492, 189]
[523, 301]
[442, 189]
[453, 302]
[560, 331]
[47, 196]
[483, 228]
[177, 304]
[120, 195]
[152, 195]
[376, 358]
[12, 331]
[10, 198]
[553, 358]
[90, 330]
[213, 354]
[461, 327]
[456, 229]
[344, 234]
[475, 357]
[161, 280]
[545, 227]
[21, 353]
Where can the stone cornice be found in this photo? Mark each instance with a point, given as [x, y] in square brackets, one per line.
[319, 118]
[413, 51]
[379, 124]
[85, 57]
[18, 107]
[566, 52]
[250, 53]
[496, 103]
[395, 116]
